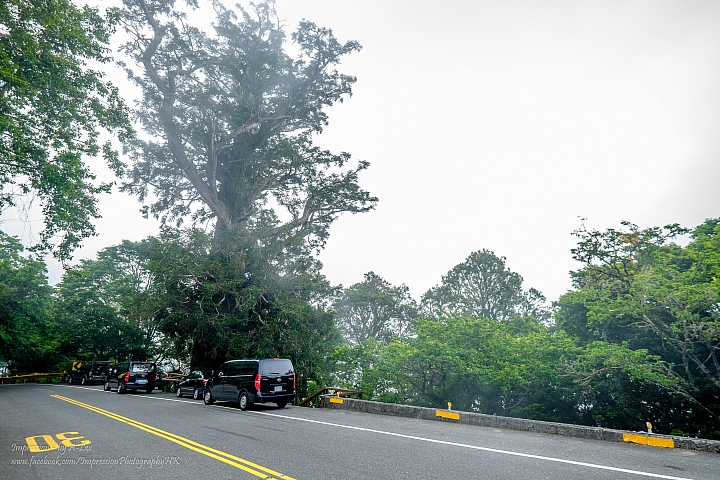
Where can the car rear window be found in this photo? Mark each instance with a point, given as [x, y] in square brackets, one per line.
[142, 368]
[276, 367]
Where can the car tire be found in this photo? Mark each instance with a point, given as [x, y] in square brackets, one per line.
[243, 401]
[84, 380]
[149, 390]
[106, 387]
[179, 392]
[70, 381]
[208, 398]
[282, 404]
[121, 388]
[197, 394]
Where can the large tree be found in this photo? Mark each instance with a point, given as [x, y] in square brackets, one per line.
[483, 287]
[375, 309]
[248, 303]
[231, 119]
[52, 109]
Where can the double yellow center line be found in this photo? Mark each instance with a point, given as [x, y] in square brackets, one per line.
[237, 462]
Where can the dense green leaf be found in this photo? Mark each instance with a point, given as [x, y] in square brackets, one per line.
[52, 109]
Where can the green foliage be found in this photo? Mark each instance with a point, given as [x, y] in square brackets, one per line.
[100, 308]
[250, 302]
[375, 309]
[477, 364]
[636, 341]
[482, 287]
[624, 388]
[26, 328]
[52, 108]
[640, 293]
[353, 365]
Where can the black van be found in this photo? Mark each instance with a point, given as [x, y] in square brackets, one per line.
[95, 372]
[252, 380]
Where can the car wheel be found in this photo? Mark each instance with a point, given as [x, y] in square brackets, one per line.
[121, 388]
[208, 398]
[197, 394]
[282, 404]
[179, 392]
[243, 401]
[84, 380]
[106, 387]
[70, 381]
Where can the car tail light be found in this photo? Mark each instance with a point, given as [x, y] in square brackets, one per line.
[293, 380]
[127, 377]
[257, 382]
[204, 382]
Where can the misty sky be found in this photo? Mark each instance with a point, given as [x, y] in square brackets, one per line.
[498, 124]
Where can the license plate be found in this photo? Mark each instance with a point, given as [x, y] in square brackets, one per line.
[142, 380]
[278, 388]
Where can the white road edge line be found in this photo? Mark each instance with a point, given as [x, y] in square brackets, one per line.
[486, 449]
[429, 440]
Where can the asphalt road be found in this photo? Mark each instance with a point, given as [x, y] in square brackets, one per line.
[64, 431]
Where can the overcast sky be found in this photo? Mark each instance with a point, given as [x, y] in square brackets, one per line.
[498, 124]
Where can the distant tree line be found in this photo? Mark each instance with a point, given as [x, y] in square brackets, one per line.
[226, 161]
[637, 339]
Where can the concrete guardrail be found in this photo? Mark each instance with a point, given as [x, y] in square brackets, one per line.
[522, 424]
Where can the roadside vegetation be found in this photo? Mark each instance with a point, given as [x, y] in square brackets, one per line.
[224, 157]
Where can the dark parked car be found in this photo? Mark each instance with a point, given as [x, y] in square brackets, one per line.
[132, 376]
[249, 381]
[194, 384]
[95, 372]
[161, 374]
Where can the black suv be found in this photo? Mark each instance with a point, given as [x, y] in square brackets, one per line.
[249, 381]
[95, 372]
[132, 376]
